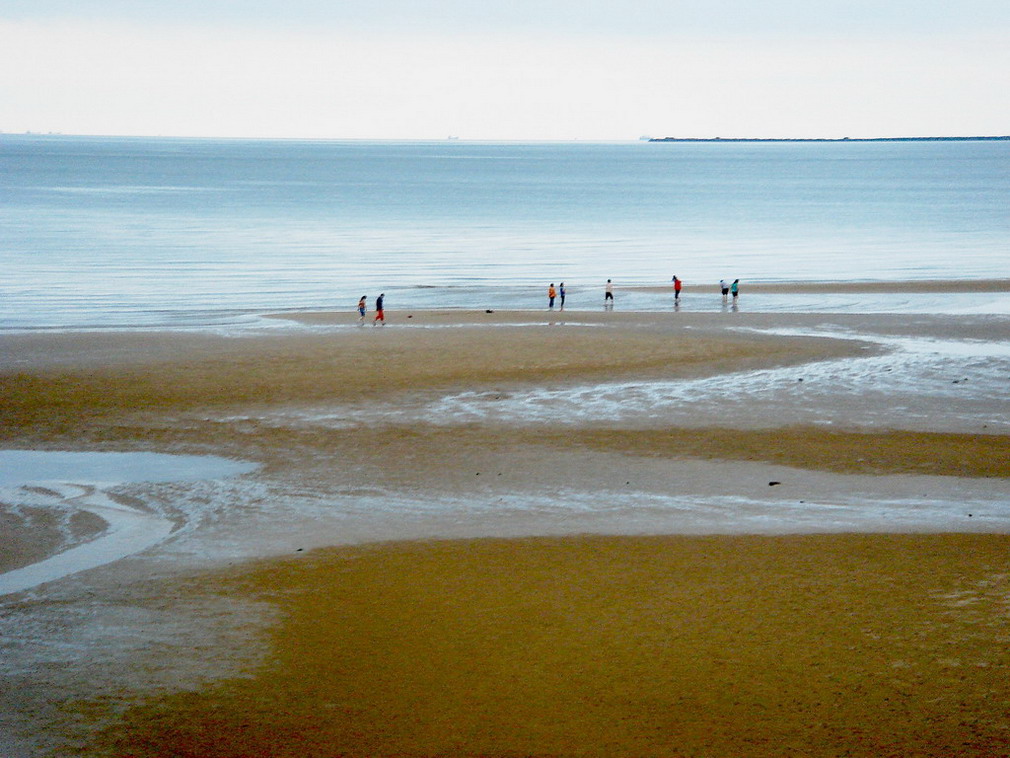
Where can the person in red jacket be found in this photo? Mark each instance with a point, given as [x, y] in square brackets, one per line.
[677, 285]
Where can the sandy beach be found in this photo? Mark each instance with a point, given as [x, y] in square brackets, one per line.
[459, 540]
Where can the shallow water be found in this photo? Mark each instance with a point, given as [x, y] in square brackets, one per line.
[23, 467]
[105, 232]
[33, 480]
[918, 385]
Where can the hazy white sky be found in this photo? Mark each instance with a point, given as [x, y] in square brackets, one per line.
[523, 69]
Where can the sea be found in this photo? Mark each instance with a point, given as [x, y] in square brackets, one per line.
[122, 233]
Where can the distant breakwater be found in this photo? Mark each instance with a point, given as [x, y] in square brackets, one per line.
[1003, 138]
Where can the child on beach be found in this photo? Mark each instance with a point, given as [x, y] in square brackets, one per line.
[725, 289]
[608, 295]
[561, 292]
[379, 315]
[551, 294]
[735, 289]
[677, 285]
[362, 307]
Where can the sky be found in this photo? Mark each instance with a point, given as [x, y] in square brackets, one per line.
[517, 70]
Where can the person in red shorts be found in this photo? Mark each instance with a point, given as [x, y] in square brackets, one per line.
[379, 315]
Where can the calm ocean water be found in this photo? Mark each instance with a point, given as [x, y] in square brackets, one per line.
[121, 232]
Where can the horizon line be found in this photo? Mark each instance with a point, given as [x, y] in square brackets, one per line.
[455, 138]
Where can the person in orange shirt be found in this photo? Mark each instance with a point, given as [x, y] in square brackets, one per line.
[551, 294]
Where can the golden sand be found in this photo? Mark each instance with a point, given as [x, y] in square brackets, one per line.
[102, 389]
[117, 376]
[850, 452]
[663, 646]
[667, 646]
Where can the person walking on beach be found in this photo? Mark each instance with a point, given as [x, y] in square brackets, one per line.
[551, 294]
[561, 292]
[362, 307]
[677, 285]
[379, 314]
[725, 289]
[608, 295]
[734, 288]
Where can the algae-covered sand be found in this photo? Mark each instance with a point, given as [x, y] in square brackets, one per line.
[653, 646]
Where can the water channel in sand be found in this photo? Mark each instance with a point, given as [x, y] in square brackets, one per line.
[78, 481]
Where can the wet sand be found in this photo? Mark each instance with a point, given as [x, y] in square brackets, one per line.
[70, 384]
[732, 645]
[650, 646]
